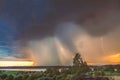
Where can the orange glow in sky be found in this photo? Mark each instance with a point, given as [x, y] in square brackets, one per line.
[90, 63]
[115, 59]
[16, 63]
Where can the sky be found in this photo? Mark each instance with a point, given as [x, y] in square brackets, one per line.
[50, 32]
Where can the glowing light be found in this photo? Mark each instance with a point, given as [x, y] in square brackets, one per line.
[16, 63]
[90, 63]
[114, 58]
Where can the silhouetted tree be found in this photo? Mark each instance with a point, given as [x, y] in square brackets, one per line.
[79, 66]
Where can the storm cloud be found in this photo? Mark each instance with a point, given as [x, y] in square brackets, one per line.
[97, 17]
[66, 20]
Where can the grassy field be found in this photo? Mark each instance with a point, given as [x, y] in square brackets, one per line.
[116, 77]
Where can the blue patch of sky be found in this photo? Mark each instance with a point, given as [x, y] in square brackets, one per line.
[6, 37]
[6, 31]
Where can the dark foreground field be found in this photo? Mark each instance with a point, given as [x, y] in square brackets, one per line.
[8, 75]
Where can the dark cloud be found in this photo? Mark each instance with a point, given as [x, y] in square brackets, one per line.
[37, 19]
[37, 32]
[98, 17]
